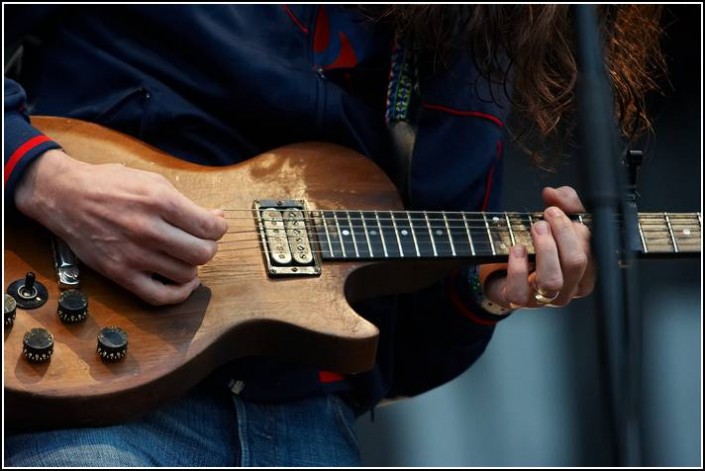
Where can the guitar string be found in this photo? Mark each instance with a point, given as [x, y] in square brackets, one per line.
[443, 227]
[494, 218]
[443, 246]
[649, 222]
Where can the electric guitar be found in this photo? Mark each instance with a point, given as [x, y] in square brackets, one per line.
[295, 257]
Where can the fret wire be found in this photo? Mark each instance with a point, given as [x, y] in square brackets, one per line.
[413, 234]
[381, 235]
[641, 234]
[367, 236]
[325, 228]
[396, 234]
[467, 231]
[450, 237]
[340, 234]
[352, 235]
[670, 231]
[430, 233]
[531, 223]
[489, 234]
[509, 226]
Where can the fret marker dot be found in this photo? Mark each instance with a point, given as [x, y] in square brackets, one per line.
[373, 232]
[686, 232]
[346, 232]
[439, 232]
[404, 232]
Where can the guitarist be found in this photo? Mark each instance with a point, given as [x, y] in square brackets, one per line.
[425, 91]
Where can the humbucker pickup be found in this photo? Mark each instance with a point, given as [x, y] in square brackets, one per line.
[285, 232]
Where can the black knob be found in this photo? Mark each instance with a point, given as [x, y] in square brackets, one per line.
[10, 306]
[73, 306]
[38, 345]
[112, 343]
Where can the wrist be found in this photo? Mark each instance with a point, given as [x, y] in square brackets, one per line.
[477, 279]
[40, 182]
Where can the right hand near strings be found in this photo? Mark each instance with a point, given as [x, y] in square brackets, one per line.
[127, 224]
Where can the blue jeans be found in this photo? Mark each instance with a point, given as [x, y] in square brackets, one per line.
[206, 428]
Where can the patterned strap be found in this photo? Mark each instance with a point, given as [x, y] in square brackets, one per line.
[402, 83]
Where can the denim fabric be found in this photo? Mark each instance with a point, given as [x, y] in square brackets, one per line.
[311, 432]
[202, 430]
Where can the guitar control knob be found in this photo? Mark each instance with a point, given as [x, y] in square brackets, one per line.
[10, 306]
[73, 306]
[112, 344]
[38, 345]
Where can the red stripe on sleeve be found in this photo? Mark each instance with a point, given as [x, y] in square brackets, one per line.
[475, 114]
[329, 376]
[490, 178]
[296, 21]
[21, 152]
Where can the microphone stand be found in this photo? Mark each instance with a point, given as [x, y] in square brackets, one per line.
[605, 199]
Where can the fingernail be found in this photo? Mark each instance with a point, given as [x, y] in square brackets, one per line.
[519, 251]
[553, 212]
[541, 227]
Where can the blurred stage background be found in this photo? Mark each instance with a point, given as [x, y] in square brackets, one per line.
[534, 398]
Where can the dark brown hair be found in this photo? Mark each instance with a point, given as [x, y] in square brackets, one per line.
[535, 46]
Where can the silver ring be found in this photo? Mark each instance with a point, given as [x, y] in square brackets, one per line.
[542, 297]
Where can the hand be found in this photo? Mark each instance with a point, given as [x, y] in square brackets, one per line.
[127, 224]
[563, 266]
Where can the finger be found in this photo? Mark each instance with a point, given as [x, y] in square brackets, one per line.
[170, 268]
[587, 283]
[183, 246]
[571, 250]
[183, 213]
[157, 293]
[565, 197]
[548, 276]
[516, 289]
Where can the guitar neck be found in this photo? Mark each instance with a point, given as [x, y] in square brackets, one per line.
[393, 235]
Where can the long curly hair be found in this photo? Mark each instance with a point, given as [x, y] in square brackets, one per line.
[535, 47]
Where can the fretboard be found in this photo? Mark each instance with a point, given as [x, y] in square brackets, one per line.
[386, 235]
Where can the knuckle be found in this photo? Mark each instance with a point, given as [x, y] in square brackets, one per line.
[577, 261]
[143, 230]
[551, 283]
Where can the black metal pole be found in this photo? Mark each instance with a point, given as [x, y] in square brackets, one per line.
[604, 196]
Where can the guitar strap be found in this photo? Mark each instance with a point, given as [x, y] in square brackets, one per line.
[402, 104]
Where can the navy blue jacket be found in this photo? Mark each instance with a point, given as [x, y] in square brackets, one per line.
[217, 84]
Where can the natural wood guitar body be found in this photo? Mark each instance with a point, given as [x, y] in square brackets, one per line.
[237, 311]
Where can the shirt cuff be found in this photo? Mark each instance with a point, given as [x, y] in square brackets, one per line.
[23, 144]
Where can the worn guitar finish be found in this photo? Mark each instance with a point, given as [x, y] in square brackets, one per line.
[250, 302]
